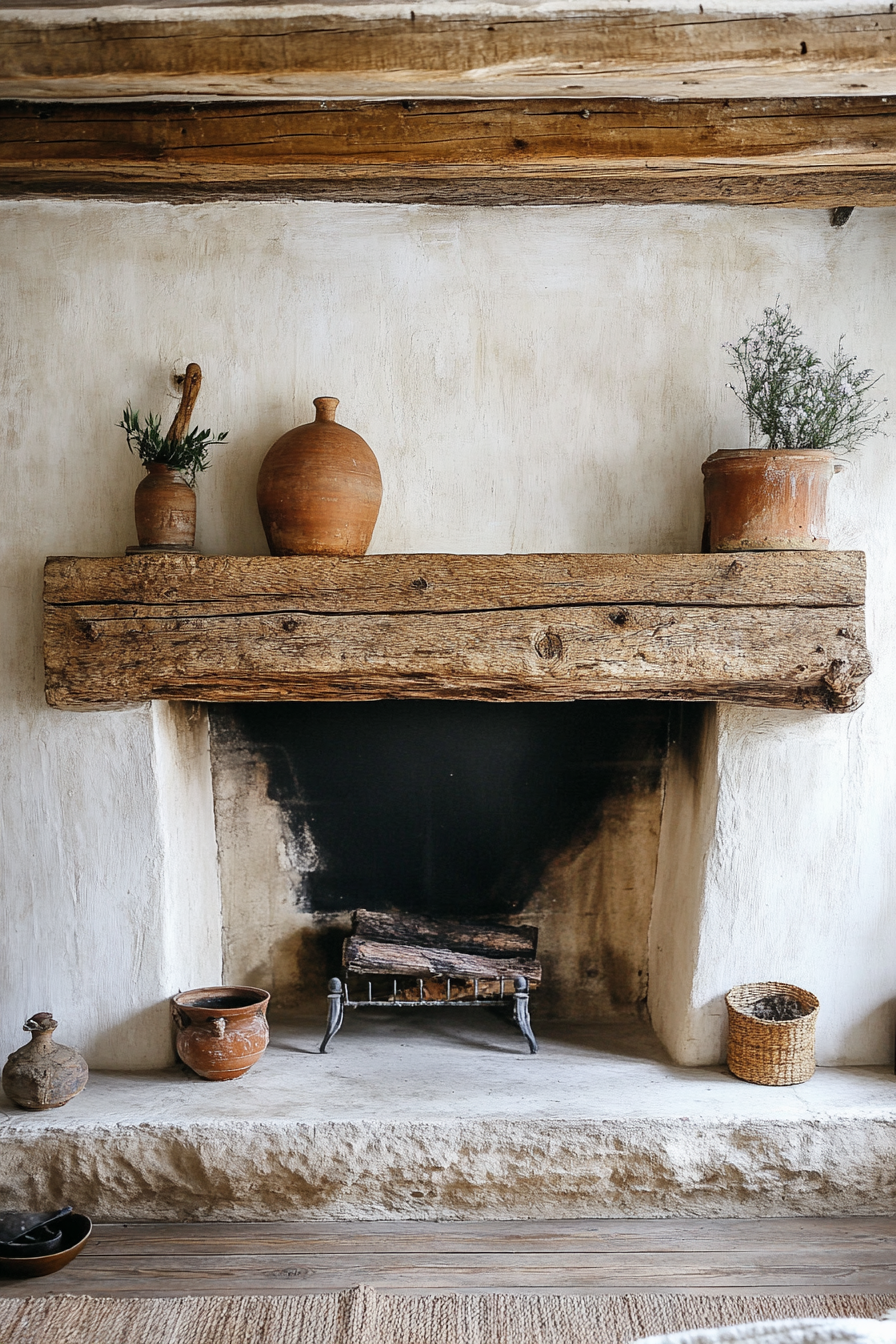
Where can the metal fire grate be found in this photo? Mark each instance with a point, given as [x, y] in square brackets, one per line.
[432, 963]
[339, 998]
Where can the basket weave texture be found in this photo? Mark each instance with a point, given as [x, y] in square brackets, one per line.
[773, 1053]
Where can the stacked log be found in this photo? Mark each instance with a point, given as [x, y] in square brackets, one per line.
[434, 951]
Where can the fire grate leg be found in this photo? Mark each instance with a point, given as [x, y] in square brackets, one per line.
[334, 1014]
[521, 1011]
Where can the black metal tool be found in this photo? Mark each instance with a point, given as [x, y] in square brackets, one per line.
[16, 1224]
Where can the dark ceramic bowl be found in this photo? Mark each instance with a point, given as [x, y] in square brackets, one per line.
[41, 1241]
[75, 1229]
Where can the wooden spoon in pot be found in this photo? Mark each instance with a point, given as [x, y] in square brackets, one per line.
[181, 422]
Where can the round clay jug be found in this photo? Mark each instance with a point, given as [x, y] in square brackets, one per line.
[758, 499]
[165, 510]
[43, 1075]
[319, 489]
[223, 1031]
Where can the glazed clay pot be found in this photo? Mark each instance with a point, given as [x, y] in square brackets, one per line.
[760, 500]
[221, 1032]
[43, 1075]
[319, 489]
[165, 509]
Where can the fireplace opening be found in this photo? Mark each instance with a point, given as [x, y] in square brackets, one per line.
[542, 814]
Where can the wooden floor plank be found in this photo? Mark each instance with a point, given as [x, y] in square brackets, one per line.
[518, 1267]
[167, 1276]
[568, 1235]
[790, 1255]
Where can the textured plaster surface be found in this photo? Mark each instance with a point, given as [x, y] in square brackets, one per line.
[530, 380]
[446, 1117]
[110, 895]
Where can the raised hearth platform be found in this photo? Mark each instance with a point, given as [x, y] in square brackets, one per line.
[447, 1116]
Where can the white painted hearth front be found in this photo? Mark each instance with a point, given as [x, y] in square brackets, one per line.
[531, 380]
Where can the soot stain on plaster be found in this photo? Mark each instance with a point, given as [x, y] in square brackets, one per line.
[687, 733]
[444, 808]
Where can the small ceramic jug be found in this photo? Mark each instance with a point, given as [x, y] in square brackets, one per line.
[42, 1074]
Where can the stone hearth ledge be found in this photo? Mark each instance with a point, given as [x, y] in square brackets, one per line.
[443, 1115]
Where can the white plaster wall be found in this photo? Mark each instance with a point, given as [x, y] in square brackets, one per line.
[530, 379]
[800, 859]
[108, 884]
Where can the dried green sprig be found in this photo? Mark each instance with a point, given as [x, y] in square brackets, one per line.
[792, 399]
[187, 455]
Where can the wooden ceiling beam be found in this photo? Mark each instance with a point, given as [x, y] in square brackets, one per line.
[809, 152]
[436, 48]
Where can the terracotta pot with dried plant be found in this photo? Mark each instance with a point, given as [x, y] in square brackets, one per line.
[772, 496]
[165, 501]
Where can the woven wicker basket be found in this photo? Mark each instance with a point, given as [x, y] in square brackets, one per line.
[774, 1053]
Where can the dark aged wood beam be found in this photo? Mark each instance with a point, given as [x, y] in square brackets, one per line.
[780, 629]
[428, 49]
[795, 151]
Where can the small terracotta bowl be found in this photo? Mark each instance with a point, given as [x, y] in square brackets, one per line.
[76, 1229]
[222, 1030]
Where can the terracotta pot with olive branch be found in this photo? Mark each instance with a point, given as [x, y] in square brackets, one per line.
[165, 501]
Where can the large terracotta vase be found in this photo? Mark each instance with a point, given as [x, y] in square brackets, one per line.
[43, 1075]
[222, 1031]
[761, 500]
[165, 510]
[319, 489]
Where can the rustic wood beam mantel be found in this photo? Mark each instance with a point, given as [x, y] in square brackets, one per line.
[445, 49]
[811, 152]
[778, 629]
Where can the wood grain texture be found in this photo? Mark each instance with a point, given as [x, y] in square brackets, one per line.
[381, 50]
[231, 584]
[147, 1276]
[363, 956]
[786, 151]
[839, 1255]
[114, 652]
[773, 656]
[854, 1240]
[488, 940]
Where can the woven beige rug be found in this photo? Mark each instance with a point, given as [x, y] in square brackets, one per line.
[363, 1316]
